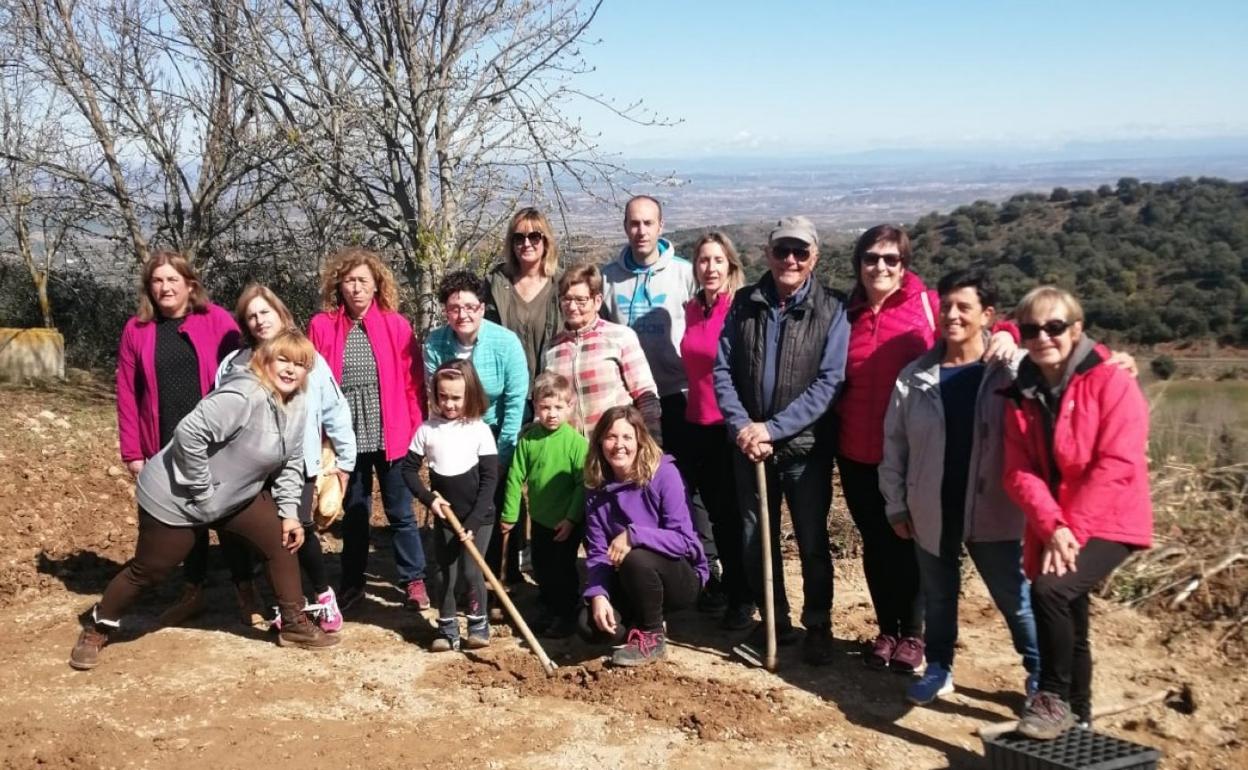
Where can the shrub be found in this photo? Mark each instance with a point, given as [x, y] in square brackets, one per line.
[1163, 367]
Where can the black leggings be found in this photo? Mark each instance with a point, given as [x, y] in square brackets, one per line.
[711, 469]
[458, 570]
[161, 547]
[645, 585]
[888, 561]
[1061, 608]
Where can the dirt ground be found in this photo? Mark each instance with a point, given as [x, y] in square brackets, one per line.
[214, 694]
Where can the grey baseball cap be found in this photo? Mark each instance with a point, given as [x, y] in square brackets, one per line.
[800, 228]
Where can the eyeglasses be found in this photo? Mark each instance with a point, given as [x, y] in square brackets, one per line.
[581, 302]
[470, 308]
[871, 259]
[534, 238]
[1054, 328]
[781, 253]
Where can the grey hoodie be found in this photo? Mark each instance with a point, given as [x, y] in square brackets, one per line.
[651, 301]
[914, 455]
[224, 453]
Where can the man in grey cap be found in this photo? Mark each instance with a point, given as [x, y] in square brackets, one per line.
[780, 365]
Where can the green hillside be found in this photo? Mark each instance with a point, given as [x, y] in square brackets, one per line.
[1151, 262]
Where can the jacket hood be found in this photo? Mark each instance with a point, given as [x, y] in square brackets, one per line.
[1086, 355]
[666, 252]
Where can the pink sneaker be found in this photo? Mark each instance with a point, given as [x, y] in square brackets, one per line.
[908, 657]
[882, 650]
[330, 618]
[417, 595]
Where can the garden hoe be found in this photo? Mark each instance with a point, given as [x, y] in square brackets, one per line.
[744, 650]
[548, 665]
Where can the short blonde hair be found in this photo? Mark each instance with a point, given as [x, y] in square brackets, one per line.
[289, 344]
[551, 385]
[349, 259]
[598, 471]
[736, 272]
[260, 291]
[1043, 298]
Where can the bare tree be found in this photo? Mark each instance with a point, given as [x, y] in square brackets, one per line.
[185, 157]
[428, 122]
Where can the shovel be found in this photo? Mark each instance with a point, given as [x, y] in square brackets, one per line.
[745, 651]
[548, 665]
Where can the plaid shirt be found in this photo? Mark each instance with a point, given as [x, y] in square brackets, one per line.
[606, 366]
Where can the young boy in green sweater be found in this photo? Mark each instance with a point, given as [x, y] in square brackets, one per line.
[550, 461]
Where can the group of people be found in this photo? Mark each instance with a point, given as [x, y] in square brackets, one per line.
[621, 411]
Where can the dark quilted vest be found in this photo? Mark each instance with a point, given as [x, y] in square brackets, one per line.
[802, 342]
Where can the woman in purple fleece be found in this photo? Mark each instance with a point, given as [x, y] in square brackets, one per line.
[642, 554]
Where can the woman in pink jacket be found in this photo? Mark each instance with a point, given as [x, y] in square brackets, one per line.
[166, 363]
[1076, 434]
[892, 322]
[718, 272]
[376, 360]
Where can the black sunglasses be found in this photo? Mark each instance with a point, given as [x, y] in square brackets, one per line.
[534, 238]
[1052, 328]
[781, 253]
[891, 260]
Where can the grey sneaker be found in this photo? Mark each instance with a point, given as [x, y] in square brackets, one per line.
[1045, 717]
[641, 648]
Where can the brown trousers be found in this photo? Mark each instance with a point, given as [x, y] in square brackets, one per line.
[161, 548]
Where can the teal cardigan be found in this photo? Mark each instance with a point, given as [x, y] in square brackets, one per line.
[503, 370]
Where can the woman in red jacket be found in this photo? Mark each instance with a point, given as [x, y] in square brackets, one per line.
[166, 363]
[892, 322]
[376, 360]
[1076, 434]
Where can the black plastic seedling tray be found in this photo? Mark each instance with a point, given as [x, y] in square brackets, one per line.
[1076, 749]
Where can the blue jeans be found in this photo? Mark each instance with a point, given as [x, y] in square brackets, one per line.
[1000, 566]
[806, 485]
[409, 552]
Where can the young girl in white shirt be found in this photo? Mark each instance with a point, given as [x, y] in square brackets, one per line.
[463, 473]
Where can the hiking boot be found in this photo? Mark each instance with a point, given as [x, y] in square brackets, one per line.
[249, 605]
[817, 646]
[330, 619]
[1045, 717]
[935, 682]
[737, 617]
[562, 627]
[188, 605]
[349, 596]
[417, 595]
[642, 647]
[478, 632]
[447, 639]
[786, 635]
[882, 650]
[299, 631]
[86, 652]
[908, 656]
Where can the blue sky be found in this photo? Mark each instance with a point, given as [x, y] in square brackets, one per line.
[774, 77]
